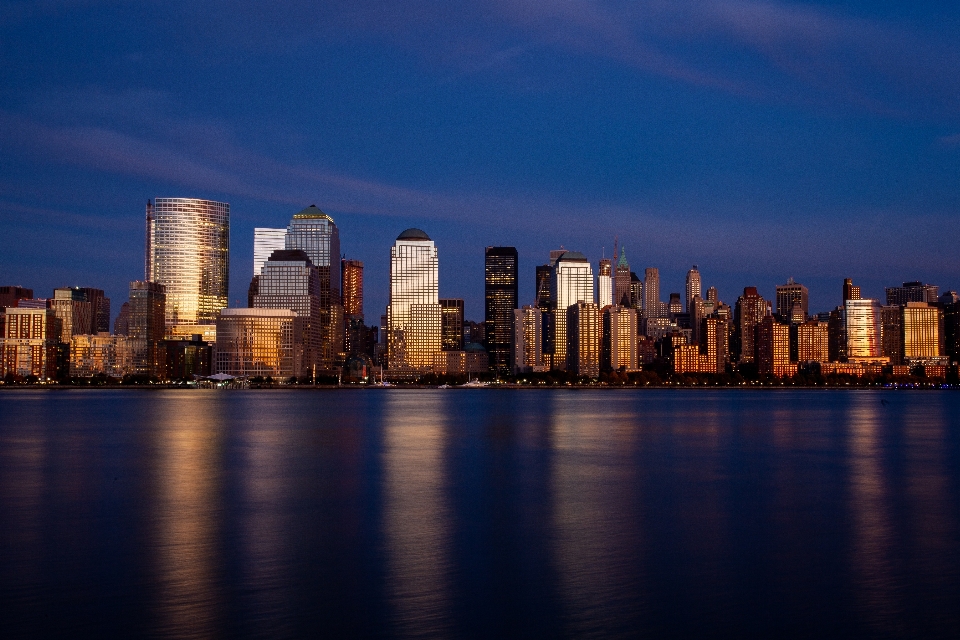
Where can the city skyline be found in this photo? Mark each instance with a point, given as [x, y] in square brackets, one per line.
[759, 141]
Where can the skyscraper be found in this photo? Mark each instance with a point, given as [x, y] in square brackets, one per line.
[265, 242]
[583, 339]
[99, 309]
[315, 233]
[352, 276]
[773, 348]
[912, 292]
[750, 310]
[622, 279]
[74, 312]
[414, 324]
[527, 354]
[652, 306]
[619, 339]
[605, 283]
[813, 342]
[572, 283]
[289, 280]
[500, 300]
[862, 326]
[693, 287]
[788, 295]
[188, 252]
[850, 292]
[147, 327]
[451, 324]
[920, 334]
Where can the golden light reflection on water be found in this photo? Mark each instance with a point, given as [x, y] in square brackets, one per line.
[595, 520]
[187, 514]
[416, 513]
[870, 510]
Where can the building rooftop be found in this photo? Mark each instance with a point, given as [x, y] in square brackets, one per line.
[312, 213]
[289, 255]
[413, 234]
[572, 256]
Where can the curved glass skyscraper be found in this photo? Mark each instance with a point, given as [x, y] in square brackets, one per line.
[188, 251]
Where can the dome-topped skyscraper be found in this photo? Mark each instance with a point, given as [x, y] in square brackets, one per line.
[413, 315]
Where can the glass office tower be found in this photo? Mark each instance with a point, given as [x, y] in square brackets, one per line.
[188, 252]
[572, 283]
[500, 283]
[413, 315]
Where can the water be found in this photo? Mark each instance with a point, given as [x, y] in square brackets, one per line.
[479, 513]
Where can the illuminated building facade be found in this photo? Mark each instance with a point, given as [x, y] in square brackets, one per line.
[188, 252]
[891, 333]
[30, 343]
[74, 311]
[862, 327]
[147, 327]
[605, 283]
[789, 295]
[451, 330]
[750, 310]
[352, 275]
[773, 348]
[316, 234]
[693, 288]
[715, 343]
[289, 280]
[813, 342]
[920, 334]
[619, 339]
[527, 354]
[500, 300]
[259, 342]
[850, 291]
[112, 356]
[572, 283]
[265, 242]
[652, 306]
[414, 317]
[583, 339]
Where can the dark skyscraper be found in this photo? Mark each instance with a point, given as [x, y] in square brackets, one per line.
[500, 295]
[146, 325]
[451, 324]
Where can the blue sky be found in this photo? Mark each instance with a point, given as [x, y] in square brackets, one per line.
[759, 140]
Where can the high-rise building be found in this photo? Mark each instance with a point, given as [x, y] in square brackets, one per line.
[698, 311]
[635, 300]
[622, 282]
[74, 311]
[712, 295]
[693, 288]
[259, 342]
[29, 344]
[912, 292]
[951, 330]
[813, 342]
[750, 310]
[773, 348]
[850, 292]
[121, 325]
[544, 273]
[188, 252]
[9, 296]
[527, 356]
[572, 283]
[500, 280]
[651, 294]
[147, 327]
[289, 280]
[352, 276]
[605, 283]
[891, 329]
[414, 323]
[583, 339]
[543, 284]
[265, 242]
[862, 326]
[619, 339]
[715, 343]
[451, 329]
[676, 306]
[316, 234]
[99, 309]
[788, 295]
[920, 334]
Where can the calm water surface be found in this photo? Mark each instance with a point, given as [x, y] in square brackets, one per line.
[479, 513]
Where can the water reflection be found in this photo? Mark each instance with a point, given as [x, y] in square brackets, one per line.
[416, 518]
[597, 534]
[876, 586]
[187, 515]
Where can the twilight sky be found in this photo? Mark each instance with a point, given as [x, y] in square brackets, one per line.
[759, 140]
